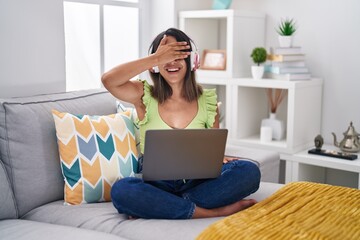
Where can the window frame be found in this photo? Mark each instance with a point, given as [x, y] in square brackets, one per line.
[141, 5]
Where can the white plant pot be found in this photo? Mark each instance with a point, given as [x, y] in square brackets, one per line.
[285, 41]
[277, 126]
[257, 72]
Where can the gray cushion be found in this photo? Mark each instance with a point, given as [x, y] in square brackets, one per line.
[7, 202]
[28, 230]
[151, 229]
[179, 229]
[97, 216]
[265, 190]
[104, 217]
[268, 161]
[28, 142]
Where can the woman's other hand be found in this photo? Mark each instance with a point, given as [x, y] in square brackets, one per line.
[229, 159]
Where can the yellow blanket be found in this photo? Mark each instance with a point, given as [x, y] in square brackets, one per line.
[300, 210]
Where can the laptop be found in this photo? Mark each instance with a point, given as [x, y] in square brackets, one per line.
[172, 154]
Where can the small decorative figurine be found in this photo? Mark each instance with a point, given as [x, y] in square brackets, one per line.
[351, 141]
[319, 141]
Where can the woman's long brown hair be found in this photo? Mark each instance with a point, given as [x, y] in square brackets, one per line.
[161, 90]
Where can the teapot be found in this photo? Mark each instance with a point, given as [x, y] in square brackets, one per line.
[350, 143]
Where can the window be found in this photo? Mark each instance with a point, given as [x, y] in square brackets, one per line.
[99, 34]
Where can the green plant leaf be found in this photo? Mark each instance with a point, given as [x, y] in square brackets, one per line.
[286, 27]
[259, 55]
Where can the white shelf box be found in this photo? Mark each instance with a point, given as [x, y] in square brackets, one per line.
[300, 110]
[236, 31]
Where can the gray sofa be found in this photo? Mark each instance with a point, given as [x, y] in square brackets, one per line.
[32, 187]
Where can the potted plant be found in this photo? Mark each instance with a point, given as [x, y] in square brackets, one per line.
[286, 29]
[259, 56]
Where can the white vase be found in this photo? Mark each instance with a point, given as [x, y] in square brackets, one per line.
[285, 41]
[257, 72]
[277, 126]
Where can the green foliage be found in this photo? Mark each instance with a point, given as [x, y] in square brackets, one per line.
[259, 55]
[286, 27]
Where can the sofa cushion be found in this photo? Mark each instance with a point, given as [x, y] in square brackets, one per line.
[101, 217]
[105, 218]
[268, 161]
[28, 142]
[179, 229]
[26, 230]
[95, 151]
[7, 201]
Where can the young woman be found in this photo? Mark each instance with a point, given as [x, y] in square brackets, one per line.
[176, 101]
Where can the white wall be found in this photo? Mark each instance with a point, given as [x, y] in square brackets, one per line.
[162, 20]
[165, 12]
[32, 45]
[32, 48]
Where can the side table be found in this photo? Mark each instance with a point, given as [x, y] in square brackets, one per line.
[302, 166]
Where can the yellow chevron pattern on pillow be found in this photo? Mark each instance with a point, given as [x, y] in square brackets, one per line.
[95, 151]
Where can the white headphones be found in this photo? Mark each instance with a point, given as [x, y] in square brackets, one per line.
[194, 59]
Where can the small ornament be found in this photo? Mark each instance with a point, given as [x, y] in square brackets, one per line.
[319, 141]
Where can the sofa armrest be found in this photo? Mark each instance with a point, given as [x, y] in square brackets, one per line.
[268, 161]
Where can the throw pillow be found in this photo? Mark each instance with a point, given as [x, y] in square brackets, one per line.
[95, 151]
[133, 115]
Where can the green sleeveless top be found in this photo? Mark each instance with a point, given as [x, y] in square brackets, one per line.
[205, 117]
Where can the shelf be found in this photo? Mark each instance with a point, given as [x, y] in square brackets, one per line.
[229, 30]
[274, 83]
[219, 14]
[261, 83]
[277, 146]
[323, 161]
[255, 141]
[212, 80]
[302, 166]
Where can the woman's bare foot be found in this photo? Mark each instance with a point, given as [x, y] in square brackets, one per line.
[224, 211]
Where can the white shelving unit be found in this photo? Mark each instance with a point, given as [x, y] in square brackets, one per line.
[236, 31]
[244, 99]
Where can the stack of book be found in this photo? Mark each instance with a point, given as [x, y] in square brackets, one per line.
[287, 64]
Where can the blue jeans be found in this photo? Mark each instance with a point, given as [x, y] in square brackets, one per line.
[177, 199]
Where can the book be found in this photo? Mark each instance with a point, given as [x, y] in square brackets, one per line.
[277, 69]
[284, 58]
[287, 64]
[286, 50]
[288, 76]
